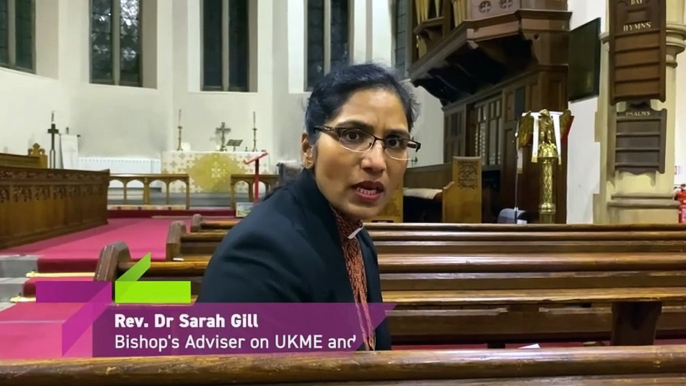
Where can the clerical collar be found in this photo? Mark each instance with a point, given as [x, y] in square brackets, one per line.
[347, 228]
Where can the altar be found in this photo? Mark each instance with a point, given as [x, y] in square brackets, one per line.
[210, 171]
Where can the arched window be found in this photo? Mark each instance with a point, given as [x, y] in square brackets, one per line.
[17, 34]
[328, 38]
[116, 42]
[226, 45]
[400, 37]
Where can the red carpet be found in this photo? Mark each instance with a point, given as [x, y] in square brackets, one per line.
[78, 252]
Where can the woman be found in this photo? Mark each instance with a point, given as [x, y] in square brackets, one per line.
[305, 242]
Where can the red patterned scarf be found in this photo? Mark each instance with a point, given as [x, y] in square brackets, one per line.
[353, 260]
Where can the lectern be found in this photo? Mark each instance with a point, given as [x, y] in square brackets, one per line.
[256, 179]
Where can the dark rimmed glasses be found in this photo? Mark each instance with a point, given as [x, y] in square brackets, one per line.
[360, 141]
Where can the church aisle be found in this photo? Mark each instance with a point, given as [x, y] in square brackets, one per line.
[74, 257]
[79, 252]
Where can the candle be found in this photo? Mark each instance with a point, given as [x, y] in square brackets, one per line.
[52, 117]
[180, 116]
[254, 119]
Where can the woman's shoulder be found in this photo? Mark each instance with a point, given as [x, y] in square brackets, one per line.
[276, 224]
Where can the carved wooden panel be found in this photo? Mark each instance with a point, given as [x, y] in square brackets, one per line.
[640, 140]
[39, 203]
[638, 49]
[482, 9]
[464, 192]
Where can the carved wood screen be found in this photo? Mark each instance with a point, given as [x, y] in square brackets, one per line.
[454, 136]
[488, 135]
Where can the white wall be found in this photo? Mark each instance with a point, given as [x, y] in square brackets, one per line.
[112, 121]
[26, 100]
[583, 168]
[429, 129]
[141, 122]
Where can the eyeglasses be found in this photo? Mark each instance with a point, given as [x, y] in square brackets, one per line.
[360, 141]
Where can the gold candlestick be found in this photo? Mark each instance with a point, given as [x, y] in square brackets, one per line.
[178, 148]
[254, 132]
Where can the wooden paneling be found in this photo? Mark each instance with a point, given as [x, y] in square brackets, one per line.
[39, 203]
[497, 111]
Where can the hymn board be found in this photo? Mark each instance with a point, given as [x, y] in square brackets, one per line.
[637, 58]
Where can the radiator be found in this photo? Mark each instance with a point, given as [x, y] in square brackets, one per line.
[124, 166]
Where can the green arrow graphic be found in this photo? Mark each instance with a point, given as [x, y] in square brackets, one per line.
[128, 290]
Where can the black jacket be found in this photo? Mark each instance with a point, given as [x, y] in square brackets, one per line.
[288, 250]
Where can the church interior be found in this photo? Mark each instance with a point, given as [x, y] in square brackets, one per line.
[538, 237]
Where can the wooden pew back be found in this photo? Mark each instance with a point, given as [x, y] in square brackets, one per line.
[497, 292]
[570, 366]
[476, 272]
[198, 224]
[180, 243]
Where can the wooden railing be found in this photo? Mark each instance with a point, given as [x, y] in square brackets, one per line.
[147, 179]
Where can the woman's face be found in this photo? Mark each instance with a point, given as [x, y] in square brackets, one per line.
[360, 184]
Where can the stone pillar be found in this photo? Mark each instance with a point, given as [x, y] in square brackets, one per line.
[680, 136]
[646, 198]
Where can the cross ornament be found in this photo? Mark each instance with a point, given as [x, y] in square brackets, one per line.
[223, 130]
[52, 158]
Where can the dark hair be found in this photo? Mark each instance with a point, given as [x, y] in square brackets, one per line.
[334, 90]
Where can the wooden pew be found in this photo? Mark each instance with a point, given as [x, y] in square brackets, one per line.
[593, 366]
[37, 203]
[496, 299]
[181, 244]
[437, 193]
[200, 224]
[449, 192]
[35, 158]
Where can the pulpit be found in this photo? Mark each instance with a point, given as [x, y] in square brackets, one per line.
[211, 171]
